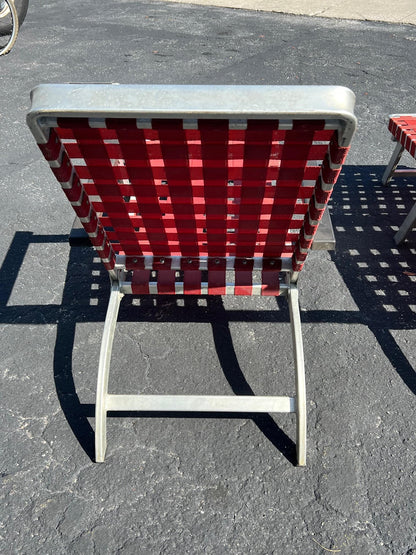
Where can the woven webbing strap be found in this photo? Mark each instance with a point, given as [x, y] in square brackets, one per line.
[209, 188]
[403, 128]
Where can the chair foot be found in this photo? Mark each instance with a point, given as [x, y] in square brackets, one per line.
[100, 435]
[301, 436]
[99, 457]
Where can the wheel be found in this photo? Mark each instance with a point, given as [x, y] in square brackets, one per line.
[5, 16]
[9, 25]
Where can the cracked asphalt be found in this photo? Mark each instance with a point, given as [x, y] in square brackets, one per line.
[208, 485]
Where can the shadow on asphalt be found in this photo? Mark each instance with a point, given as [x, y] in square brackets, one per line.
[379, 276]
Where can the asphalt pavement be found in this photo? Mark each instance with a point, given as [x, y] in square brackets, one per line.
[402, 11]
[186, 485]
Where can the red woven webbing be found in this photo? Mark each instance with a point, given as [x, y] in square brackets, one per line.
[192, 282]
[212, 191]
[403, 128]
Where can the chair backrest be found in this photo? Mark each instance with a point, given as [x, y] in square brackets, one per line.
[193, 177]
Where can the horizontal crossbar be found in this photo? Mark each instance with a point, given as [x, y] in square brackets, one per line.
[199, 403]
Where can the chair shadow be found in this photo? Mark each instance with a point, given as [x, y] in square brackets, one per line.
[378, 275]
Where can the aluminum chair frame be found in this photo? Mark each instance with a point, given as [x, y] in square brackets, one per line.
[403, 129]
[143, 107]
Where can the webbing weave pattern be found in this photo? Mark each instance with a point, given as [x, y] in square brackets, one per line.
[403, 128]
[209, 188]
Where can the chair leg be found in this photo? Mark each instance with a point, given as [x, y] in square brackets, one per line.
[392, 165]
[103, 372]
[406, 226]
[295, 323]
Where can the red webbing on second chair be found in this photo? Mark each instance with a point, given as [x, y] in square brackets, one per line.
[403, 128]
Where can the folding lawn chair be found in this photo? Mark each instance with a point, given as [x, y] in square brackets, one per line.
[403, 130]
[194, 190]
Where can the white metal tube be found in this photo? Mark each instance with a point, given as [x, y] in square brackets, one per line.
[295, 323]
[200, 403]
[103, 372]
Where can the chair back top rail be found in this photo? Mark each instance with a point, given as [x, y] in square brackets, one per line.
[192, 101]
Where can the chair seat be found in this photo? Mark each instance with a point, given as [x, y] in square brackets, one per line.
[403, 129]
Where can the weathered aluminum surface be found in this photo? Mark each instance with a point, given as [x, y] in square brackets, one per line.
[192, 101]
[200, 403]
